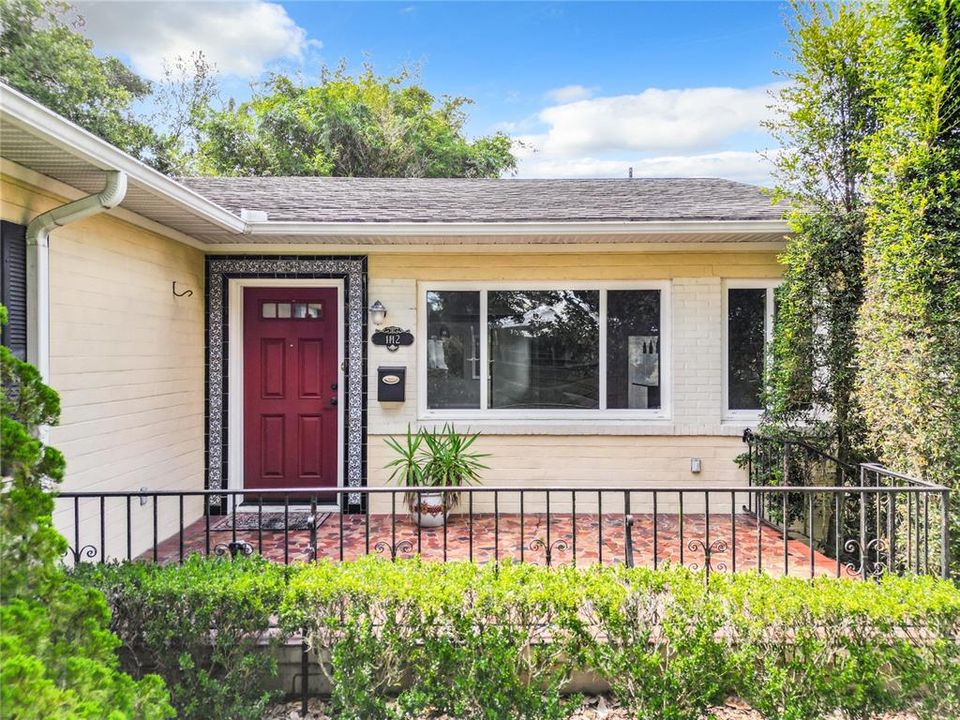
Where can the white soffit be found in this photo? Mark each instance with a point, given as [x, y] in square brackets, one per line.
[47, 144]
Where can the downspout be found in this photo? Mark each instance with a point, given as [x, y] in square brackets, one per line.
[38, 261]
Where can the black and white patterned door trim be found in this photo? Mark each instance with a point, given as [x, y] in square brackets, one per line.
[353, 272]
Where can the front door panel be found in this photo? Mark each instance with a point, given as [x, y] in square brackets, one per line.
[290, 388]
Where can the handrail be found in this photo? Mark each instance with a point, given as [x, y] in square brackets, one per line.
[749, 436]
[882, 470]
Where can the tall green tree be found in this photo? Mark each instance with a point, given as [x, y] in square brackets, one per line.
[43, 54]
[909, 324]
[823, 115]
[363, 126]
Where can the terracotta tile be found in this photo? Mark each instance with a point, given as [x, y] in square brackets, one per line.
[497, 540]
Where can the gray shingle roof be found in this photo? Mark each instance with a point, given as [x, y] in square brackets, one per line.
[345, 200]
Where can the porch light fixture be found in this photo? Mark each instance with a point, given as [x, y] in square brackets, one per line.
[378, 313]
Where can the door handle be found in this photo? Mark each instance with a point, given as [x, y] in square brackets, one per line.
[333, 401]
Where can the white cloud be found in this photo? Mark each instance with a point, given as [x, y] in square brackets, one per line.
[691, 132]
[240, 37]
[653, 120]
[745, 166]
[568, 93]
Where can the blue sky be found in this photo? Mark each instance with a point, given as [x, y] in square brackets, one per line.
[590, 89]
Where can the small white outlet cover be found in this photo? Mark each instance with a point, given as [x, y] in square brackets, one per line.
[695, 465]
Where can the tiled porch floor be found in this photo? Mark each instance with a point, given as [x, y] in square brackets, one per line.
[506, 538]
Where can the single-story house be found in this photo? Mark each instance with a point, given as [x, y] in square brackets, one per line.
[263, 332]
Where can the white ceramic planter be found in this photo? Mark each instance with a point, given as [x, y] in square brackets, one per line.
[430, 511]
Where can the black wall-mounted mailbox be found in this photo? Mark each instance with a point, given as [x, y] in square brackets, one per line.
[391, 384]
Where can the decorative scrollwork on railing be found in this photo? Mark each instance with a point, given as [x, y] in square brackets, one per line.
[403, 546]
[559, 545]
[715, 548]
[235, 547]
[874, 568]
[86, 552]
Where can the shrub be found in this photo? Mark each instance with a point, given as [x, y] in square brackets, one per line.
[57, 656]
[663, 652]
[472, 641]
[807, 648]
[482, 641]
[198, 625]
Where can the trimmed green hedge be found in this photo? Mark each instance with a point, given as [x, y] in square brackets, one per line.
[164, 614]
[477, 641]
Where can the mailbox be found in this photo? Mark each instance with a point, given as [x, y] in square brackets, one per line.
[391, 384]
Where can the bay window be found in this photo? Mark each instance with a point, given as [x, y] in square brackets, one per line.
[539, 351]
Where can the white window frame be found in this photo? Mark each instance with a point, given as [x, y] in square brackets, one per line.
[666, 358]
[770, 285]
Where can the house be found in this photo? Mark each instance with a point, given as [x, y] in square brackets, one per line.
[595, 331]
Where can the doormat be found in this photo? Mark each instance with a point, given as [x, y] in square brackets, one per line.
[273, 521]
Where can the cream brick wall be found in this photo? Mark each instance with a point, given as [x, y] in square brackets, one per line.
[586, 453]
[697, 355]
[127, 360]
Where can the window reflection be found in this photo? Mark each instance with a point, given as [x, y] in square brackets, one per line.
[453, 350]
[746, 318]
[543, 348]
[286, 310]
[633, 349]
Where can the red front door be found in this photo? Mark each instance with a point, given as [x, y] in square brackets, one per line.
[290, 387]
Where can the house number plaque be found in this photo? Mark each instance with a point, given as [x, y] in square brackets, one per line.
[392, 338]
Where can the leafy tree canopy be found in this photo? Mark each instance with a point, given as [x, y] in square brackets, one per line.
[356, 126]
[823, 116]
[43, 54]
[867, 338]
[363, 126]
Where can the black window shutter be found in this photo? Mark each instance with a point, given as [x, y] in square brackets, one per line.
[13, 285]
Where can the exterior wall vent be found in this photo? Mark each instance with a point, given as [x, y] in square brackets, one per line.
[253, 215]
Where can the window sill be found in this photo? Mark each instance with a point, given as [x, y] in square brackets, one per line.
[566, 426]
[742, 420]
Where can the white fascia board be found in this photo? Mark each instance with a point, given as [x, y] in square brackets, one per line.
[413, 229]
[56, 130]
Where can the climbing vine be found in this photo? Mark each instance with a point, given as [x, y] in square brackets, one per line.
[822, 117]
[866, 353]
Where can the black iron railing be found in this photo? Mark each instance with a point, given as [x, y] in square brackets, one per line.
[802, 512]
[863, 516]
[886, 522]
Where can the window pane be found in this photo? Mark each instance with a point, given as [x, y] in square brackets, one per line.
[543, 347]
[633, 349]
[283, 310]
[746, 315]
[268, 310]
[453, 350]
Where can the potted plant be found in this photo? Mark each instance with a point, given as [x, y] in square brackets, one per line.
[434, 459]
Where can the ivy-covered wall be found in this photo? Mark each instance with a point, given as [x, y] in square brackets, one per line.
[866, 353]
[909, 324]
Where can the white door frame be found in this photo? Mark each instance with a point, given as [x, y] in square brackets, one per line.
[235, 287]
